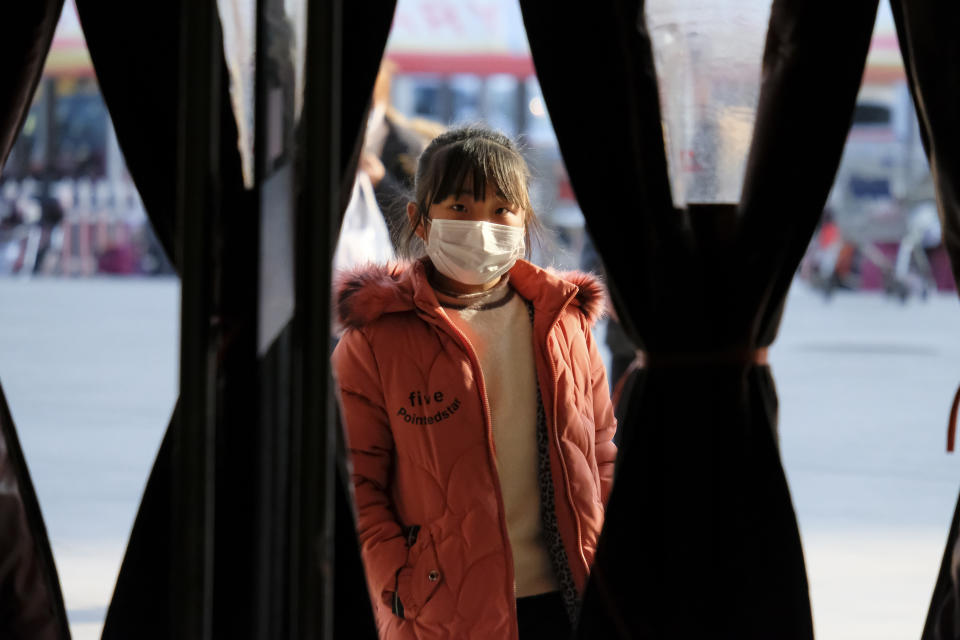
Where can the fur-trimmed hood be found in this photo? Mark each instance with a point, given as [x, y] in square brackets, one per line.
[364, 294]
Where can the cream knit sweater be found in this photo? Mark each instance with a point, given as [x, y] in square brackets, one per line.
[498, 327]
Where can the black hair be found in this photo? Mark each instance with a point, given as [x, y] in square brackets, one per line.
[465, 160]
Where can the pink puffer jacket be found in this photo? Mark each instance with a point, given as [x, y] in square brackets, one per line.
[430, 514]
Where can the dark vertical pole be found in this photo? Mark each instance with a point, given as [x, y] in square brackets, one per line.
[446, 100]
[318, 222]
[484, 98]
[50, 138]
[192, 553]
[522, 96]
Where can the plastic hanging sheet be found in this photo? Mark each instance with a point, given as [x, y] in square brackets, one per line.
[296, 13]
[238, 24]
[282, 77]
[707, 56]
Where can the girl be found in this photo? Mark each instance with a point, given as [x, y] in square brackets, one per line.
[477, 412]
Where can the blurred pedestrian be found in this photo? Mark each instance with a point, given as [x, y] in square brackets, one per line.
[392, 144]
[912, 270]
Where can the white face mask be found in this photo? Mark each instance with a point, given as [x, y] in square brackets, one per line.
[473, 252]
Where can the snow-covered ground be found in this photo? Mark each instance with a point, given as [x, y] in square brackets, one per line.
[89, 368]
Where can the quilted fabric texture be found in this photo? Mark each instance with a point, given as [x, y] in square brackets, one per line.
[422, 452]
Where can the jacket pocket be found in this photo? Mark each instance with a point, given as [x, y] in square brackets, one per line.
[419, 578]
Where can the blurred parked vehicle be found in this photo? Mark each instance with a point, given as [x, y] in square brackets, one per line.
[882, 204]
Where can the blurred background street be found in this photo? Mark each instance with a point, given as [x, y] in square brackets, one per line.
[866, 364]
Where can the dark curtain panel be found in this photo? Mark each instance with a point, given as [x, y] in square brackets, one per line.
[136, 67]
[141, 597]
[25, 36]
[137, 70]
[943, 616]
[31, 604]
[365, 31]
[700, 538]
[927, 30]
[134, 48]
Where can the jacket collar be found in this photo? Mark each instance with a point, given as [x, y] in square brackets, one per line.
[366, 293]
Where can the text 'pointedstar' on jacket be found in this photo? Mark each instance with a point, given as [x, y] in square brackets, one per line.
[430, 513]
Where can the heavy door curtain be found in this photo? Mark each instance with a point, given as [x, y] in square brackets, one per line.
[137, 68]
[700, 537]
[927, 31]
[31, 602]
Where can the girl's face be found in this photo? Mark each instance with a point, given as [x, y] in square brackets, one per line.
[493, 208]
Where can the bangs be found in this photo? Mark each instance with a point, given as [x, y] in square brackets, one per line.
[471, 165]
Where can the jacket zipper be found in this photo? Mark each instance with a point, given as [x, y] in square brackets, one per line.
[492, 457]
[555, 440]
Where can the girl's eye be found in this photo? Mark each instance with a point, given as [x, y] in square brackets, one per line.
[504, 211]
[458, 207]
